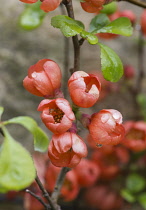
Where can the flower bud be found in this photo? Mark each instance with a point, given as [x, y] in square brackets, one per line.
[66, 150]
[44, 78]
[106, 127]
[84, 89]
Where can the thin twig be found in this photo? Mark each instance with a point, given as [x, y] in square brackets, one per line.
[46, 195]
[39, 199]
[59, 183]
[136, 2]
[69, 8]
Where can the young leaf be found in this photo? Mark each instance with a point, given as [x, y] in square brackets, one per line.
[109, 8]
[1, 111]
[68, 26]
[127, 195]
[135, 183]
[121, 26]
[32, 17]
[40, 138]
[112, 67]
[142, 200]
[17, 170]
[98, 22]
[91, 38]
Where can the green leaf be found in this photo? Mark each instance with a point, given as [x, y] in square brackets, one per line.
[1, 111]
[32, 17]
[68, 26]
[142, 200]
[112, 66]
[17, 170]
[91, 38]
[109, 8]
[135, 183]
[141, 99]
[98, 22]
[127, 195]
[121, 26]
[40, 138]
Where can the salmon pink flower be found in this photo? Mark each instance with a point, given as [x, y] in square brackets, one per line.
[66, 150]
[135, 138]
[84, 89]
[47, 5]
[56, 114]
[106, 127]
[44, 78]
[87, 172]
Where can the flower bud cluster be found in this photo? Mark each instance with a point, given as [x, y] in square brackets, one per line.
[66, 148]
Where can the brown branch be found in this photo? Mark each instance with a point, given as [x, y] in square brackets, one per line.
[59, 183]
[136, 2]
[47, 207]
[53, 205]
[69, 8]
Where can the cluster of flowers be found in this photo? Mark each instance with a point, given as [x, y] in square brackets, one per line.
[66, 147]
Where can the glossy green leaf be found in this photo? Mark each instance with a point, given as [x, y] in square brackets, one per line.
[91, 38]
[17, 170]
[142, 200]
[1, 111]
[111, 64]
[127, 195]
[68, 26]
[40, 138]
[121, 26]
[135, 183]
[141, 99]
[32, 17]
[98, 22]
[109, 8]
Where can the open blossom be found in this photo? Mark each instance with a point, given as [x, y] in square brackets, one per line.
[43, 79]
[135, 137]
[47, 5]
[57, 114]
[106, 127]
[84, 89]
[66, 150]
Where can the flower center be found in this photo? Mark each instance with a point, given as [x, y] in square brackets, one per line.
[57, 114]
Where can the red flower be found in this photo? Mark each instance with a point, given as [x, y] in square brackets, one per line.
[135, 138]
[66, 150]
[103, 198]
[84, 89]
[56, 114]
[106, 127]
[43, 79]
[87, 172]
[47, 5]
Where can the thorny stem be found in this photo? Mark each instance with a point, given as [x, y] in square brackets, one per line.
[136, 2]
[59, 183]
[69, 8]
